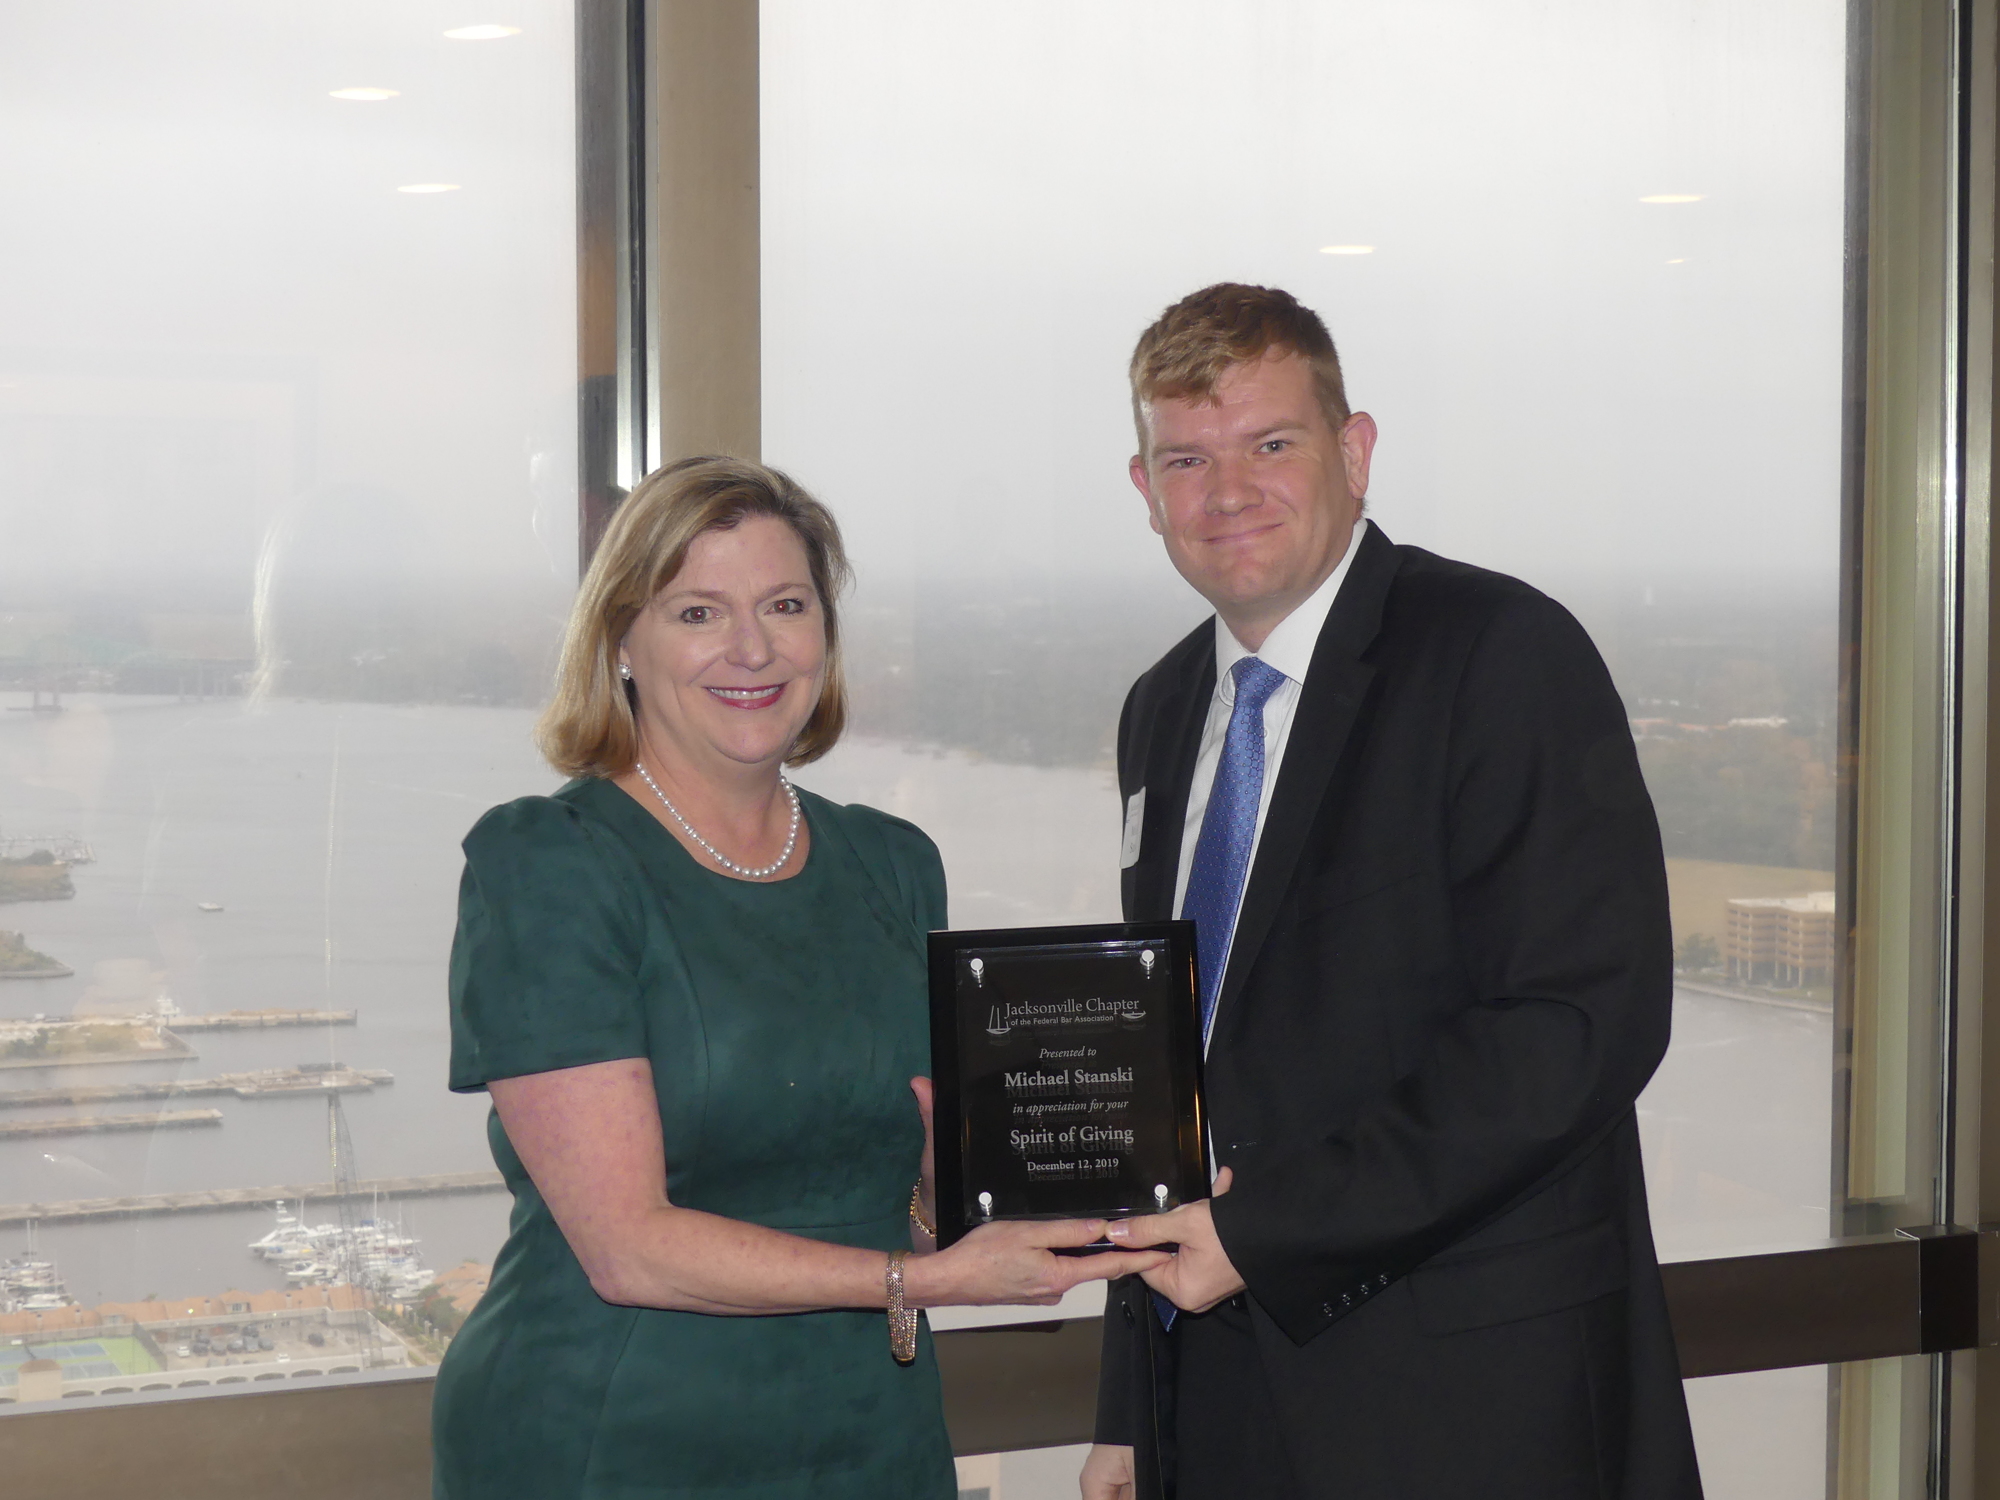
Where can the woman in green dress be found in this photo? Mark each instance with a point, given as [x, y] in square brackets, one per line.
[696, 997]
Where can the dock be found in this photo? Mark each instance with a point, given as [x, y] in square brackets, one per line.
[85, 1210]
[99, 1124]
[164, 1047]
[267, 1083]
[253, 1020]
[79, 1041]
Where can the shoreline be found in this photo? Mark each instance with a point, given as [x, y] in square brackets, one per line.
[1816, 1007]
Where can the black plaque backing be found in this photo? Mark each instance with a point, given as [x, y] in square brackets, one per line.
[1067, 1063]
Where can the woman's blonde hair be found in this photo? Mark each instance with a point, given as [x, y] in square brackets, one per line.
[588, 728]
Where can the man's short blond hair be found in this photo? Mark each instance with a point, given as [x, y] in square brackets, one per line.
[1194, 343]
[588, 728]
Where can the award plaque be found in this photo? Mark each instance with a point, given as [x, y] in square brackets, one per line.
[1067, 1063]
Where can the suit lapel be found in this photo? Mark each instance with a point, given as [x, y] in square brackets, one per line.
[1335, 685]
[1171, 751]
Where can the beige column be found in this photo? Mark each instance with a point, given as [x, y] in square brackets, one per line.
[703, 206]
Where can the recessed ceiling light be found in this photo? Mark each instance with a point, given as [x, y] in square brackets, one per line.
[1680, 262]
[1346, 249]
[428, 187]
[482, 33]
[1673, 197]
[365, 96]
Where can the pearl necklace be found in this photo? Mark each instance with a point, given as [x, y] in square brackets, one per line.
[791, 837]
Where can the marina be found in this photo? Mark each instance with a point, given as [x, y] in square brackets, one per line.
[192, 807]
[29, 1282]
[372, 1254]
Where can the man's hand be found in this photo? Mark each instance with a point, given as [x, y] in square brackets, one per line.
[1199, 1275]
[1107, 1474]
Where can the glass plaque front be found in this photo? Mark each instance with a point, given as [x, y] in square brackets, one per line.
[1067, 1063]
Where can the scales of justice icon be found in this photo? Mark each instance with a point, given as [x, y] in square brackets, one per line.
[995, 1026]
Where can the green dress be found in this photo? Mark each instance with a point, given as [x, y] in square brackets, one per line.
[783, 1022]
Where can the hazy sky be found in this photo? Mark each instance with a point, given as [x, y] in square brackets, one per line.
[216, 306]
[971, 210]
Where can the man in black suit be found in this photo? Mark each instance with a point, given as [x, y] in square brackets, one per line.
[1399, 798]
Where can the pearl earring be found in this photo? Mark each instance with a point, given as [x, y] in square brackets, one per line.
[625, 671]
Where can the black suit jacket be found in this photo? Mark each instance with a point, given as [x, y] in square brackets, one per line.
[1451, 978]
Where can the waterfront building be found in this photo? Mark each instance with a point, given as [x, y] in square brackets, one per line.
[1785, 941]
[232, 1338]
[230, 1304]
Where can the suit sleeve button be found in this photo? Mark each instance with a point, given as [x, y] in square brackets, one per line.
[1346, 1300]
[1326, 1309]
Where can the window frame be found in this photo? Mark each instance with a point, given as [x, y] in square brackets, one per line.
[669, 340]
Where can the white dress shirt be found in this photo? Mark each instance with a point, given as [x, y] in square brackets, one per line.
[1289, 648]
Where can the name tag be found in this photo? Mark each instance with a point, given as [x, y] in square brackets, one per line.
[1135, 820]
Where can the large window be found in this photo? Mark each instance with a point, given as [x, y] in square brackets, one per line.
[287, 528]
[1585, 267]
[1655, 306]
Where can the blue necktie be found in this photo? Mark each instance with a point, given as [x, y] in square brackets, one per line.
[1222, 850]
[1228, 830]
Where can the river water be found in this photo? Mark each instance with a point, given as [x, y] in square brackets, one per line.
[328, 833]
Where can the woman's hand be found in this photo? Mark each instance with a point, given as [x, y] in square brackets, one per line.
[927, 1181]
[1013, 1262]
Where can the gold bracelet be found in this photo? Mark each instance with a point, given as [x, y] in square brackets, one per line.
[902, 1319]
[917, 1211]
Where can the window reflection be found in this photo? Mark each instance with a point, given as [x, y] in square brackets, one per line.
[286, 459]
[1599, 320]
[284, 468]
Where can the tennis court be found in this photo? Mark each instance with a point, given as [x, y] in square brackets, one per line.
[81, 1359]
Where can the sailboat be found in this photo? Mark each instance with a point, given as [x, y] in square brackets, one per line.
[30, 1282]
[374, 1252]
